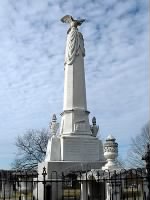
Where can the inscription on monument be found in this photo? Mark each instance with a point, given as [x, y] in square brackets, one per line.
[76, 149]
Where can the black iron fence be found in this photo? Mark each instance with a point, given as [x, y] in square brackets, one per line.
[92, 185]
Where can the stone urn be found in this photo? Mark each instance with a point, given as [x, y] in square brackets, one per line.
[110, 153]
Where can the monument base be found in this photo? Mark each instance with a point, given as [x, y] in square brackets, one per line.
[54, 170]
[81, 148]
[66, 167]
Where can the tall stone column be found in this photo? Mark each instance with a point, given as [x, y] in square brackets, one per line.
[75, 115]
[77, 140]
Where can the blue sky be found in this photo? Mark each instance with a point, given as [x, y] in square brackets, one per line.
[31, 66]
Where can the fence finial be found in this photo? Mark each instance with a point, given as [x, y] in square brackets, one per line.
[44, 171]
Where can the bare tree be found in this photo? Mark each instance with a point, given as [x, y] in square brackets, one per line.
[31, 149]
[138, 147]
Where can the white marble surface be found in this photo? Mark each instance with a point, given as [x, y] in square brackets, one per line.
[76, 142]
[75, 116]
[111, 153]
[53, 149]
[81, 148]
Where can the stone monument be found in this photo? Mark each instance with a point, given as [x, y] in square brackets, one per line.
[76, 146]
[78, 143]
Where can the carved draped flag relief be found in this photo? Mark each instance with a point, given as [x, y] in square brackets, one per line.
[75, 41]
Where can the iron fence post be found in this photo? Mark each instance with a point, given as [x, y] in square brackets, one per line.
[146, 157]
[44, 181]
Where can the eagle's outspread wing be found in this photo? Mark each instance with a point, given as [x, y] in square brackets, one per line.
[80, 21]
[67, 19]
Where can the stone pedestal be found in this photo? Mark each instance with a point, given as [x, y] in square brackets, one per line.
[67, 166]
[81, 148]
[55, 170]
[53, 149]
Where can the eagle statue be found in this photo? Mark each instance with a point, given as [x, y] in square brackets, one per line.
[73, 22]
